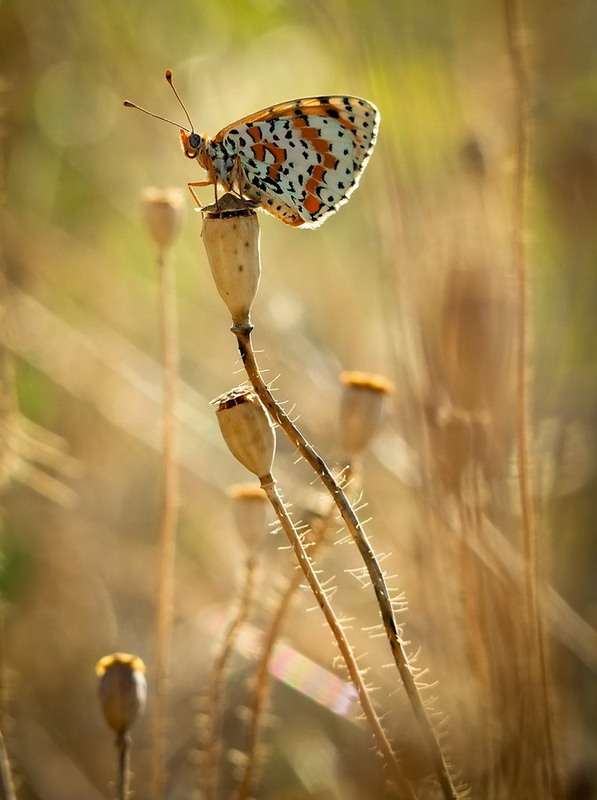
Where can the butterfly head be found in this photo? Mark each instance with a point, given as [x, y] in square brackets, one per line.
[192, 143]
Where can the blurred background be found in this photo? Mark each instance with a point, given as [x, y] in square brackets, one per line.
[413, 279]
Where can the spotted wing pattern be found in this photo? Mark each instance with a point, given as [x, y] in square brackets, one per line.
[301, 160]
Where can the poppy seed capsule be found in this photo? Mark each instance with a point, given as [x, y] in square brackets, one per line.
[360, 408]
[249, 506]
[247, 430]
[122, 689]
[163, 215]
[232, 246]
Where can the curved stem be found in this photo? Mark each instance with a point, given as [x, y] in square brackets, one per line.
[262, 673]
[242, 331]
[275, 499]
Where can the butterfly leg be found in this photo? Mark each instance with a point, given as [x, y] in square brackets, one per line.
[239, 177]
[211, 181]
[192, 186]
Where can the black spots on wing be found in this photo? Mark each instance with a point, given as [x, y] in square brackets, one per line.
[271, 185]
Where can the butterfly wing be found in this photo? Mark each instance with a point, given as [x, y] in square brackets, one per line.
[302, 160]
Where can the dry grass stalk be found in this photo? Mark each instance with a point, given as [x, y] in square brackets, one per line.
[538, 684]
[163, 216]
[213, 740]
[249, 504]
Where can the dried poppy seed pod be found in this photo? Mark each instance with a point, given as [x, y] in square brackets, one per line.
[249, 507]
[247, 430]
[164, 210]
[360, 408]
[122, 689]
[232, 245]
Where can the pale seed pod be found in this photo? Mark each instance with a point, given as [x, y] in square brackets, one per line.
[249, 507]
[164, 210]
[360, 409]
[122, 689]
[247, 430]
[232, 246]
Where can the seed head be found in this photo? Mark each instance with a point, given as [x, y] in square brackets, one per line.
[232, 245]
[249, 507]
[360, 409]
[247, 430]
[163, 214]
[122, 689]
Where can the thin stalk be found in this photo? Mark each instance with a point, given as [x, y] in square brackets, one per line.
[262, 673]
[514, 31]
[261, 681]
[123, 746]
[168, 520]
[213, 744]
[269, 486]
[242, 331]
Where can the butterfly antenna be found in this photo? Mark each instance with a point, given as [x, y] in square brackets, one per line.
[128, 104]
[182, 105]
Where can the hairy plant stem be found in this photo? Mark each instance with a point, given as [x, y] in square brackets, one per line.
[242, 331]
[262, 673]
[213, 744]
[269, 486]
[167, 523]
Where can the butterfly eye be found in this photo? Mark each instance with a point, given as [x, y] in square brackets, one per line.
[191, 143]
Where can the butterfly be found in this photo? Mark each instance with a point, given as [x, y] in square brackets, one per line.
[299, 160]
